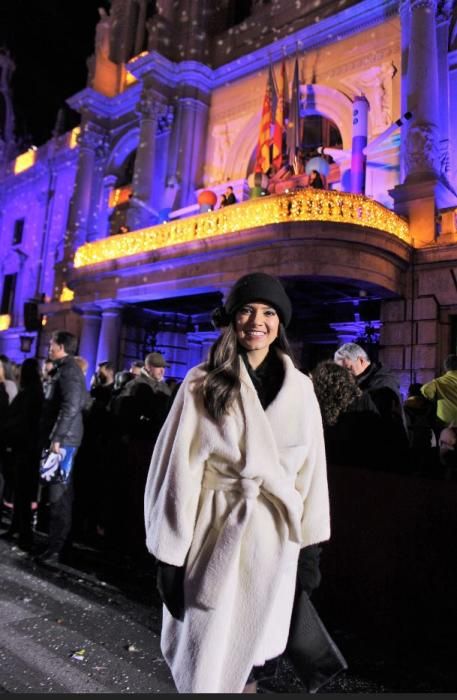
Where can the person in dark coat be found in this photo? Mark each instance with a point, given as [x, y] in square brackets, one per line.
[20, 433]
[62, 432]
[145, 406]
[315, 180]
[354, 431]
[420, 421]
[228, 197]
[383, 388]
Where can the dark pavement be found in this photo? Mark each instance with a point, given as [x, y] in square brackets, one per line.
[94, 627]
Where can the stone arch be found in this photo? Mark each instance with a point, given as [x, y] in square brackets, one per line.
[328, 102]
[314, 99]
[121, 150]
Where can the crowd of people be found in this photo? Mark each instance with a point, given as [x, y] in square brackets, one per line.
[368, 424]
[222, 478]
[107, 434]
[114, 427]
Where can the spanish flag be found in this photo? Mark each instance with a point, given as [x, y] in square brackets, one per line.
[280, 118]
[263, 146]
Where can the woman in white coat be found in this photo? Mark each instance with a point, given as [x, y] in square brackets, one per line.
[236, 486]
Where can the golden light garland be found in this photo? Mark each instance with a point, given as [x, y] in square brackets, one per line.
[304, 205]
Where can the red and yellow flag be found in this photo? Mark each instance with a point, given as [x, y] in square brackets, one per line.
[262, 162]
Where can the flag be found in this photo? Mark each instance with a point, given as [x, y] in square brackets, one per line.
[280, 118]
[262, 162]
[293, 125]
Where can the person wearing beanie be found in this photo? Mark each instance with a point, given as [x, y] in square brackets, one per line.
[237, 486]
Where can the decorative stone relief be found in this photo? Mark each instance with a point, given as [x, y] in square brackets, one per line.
[150, 105]
[165, 120]
[91, 138]
[376, 85]
[223, 136]
[423, 4]
[375, 58]
[445, 9]
[422, 151]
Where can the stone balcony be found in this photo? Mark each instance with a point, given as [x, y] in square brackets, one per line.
[301, 206]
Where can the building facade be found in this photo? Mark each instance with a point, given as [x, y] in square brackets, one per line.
[172, 108]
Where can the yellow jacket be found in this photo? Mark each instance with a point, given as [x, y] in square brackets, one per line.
[444, 391]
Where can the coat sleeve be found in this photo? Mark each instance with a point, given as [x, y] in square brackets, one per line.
[174, 481]
[312, 478]
[430, 390]
[73, 396]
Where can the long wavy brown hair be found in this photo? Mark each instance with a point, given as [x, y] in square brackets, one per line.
[335, 389]
[221, 384]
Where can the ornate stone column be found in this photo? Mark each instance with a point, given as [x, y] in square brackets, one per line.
[443, 22]
[108, 342]
[88, 341]
[193, 123]
[143, 209]
[424, 190]
[422, 140]
[90, 139]
[405, 16]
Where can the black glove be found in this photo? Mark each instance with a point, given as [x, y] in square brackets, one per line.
[308, 571]
[170, 584]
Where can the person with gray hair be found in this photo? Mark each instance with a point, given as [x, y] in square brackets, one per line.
[353, 357]
[382, 387]
[371, 377]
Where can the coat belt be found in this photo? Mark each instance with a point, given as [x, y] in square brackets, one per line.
[249, 488]
[223, 557]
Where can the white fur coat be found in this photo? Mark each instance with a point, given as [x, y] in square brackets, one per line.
[234, 503]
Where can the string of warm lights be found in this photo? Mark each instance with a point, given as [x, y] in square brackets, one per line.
[303, 205]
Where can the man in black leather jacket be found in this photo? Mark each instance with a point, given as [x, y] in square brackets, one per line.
[62, 430]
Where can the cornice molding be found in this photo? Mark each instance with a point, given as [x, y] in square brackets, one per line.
[342, 24]
[89, 100]
[170, 74]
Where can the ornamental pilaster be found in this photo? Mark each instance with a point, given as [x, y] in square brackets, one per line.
[421, 156]
[154, 114]
[92, 142]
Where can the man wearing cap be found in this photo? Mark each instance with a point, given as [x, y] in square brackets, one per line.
[149, 394]
[147, 400]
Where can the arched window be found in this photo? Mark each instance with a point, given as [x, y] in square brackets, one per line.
[125, 175]
[319, 131]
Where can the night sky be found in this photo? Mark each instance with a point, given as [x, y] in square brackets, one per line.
[49, 41]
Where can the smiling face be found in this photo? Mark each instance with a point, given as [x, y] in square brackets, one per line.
[256, 327]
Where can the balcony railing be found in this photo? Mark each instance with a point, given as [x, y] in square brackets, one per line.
[298, 206]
